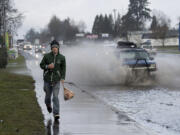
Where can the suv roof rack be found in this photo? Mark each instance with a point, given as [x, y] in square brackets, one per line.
[123, 44]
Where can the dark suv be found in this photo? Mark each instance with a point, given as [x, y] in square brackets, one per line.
[136, 59]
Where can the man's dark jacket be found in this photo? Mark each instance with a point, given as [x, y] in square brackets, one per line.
[59, 71]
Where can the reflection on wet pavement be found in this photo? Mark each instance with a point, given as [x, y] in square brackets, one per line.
[52, 128]
[123, 119]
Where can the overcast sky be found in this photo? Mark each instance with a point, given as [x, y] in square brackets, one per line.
[38, 12]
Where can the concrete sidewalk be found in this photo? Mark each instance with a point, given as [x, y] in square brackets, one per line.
[86, 115]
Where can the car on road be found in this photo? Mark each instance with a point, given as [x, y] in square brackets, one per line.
[148, 47]
[27, 46]
[136, 59]
[38, 49]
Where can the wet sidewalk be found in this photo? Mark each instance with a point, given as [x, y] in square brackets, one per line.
[86, 115]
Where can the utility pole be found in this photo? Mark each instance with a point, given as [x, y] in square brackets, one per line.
[114, 10]
[179, 35]
[2, 21]
[4, 4]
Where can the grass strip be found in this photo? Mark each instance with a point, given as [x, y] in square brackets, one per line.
[168, 49]
[20, 113]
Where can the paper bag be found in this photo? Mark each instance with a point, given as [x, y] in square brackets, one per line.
[68, 94]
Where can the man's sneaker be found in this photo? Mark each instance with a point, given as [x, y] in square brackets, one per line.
[49, 108]
[56, 117]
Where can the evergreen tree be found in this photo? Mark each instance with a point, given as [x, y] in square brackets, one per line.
[45, 36]
[154, 24]
[110, 24]
[70, 30]
[103, 24]
[31, 35]
[95, 25]
[127, 25]
[54, 27]
[100, 24]
[138, 13]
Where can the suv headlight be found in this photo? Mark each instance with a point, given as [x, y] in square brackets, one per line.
[153, 66]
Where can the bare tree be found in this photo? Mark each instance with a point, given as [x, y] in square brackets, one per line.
[10, 18]
[160, 31]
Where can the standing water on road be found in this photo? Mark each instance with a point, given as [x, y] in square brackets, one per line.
[153, 103]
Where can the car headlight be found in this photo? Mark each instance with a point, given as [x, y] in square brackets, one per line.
[153, 66]
[37, 56]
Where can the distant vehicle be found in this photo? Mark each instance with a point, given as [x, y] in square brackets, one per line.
[43, 46]
[123, 44]
[136, 59]
[27, 46]
[44, 50]
[19, 41]
[20, 46]
[38, 49]
[148, 47]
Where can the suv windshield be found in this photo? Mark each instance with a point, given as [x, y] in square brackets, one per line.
[134, 55]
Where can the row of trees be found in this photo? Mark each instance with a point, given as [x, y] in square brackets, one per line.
[60, 30]
[134, 20]
[103, 24]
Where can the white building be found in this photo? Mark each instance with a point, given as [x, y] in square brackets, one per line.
[138, 37]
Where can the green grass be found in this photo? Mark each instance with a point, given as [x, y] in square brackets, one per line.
[168, 49]
[17, 66]
[19, 60]
[20, 113]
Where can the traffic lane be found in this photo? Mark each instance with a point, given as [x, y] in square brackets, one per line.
[156, 108]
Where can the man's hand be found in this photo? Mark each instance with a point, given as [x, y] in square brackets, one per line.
[51, 66]
[62, 81]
